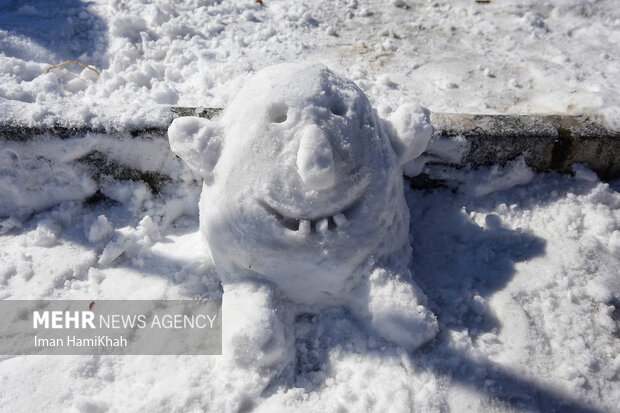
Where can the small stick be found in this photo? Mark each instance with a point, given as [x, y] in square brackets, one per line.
[71, 62]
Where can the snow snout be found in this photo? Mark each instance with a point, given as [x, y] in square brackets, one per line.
[315, 160]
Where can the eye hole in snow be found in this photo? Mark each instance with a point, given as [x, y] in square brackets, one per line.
[338, 107]
[277, 112]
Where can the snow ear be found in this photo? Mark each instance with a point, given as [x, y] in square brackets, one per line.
[410, 130]
[197, 141]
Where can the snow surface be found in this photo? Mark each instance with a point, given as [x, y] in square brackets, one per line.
[519, 57]
[523, 282]
[523, 279]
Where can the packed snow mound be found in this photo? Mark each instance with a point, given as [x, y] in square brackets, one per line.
[30, 182]
[303, 192]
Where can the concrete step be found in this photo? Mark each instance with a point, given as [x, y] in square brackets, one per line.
[547, 142]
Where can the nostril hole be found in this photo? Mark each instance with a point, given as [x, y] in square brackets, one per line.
[277, 112]
[338, 107]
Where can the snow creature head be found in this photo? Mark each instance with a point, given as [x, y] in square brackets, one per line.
[302, 180]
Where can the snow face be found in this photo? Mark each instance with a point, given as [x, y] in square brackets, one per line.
[307, 194]
[307, 183]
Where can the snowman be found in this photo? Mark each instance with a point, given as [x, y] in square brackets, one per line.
[302, 209]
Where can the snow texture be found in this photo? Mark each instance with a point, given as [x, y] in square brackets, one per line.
[39, 173]
[521, 270]
[459, 56]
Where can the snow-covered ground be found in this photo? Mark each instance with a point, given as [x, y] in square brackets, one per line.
[523, 56]
[524, 279]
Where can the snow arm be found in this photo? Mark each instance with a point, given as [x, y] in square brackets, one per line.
[410, 131]
[197, 141]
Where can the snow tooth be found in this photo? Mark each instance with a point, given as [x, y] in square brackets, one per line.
[341, 221]
[323, 225]
[304, 227]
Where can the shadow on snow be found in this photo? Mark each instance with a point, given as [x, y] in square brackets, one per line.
[52, 31]
[454, 260]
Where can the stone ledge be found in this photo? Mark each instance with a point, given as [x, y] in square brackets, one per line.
[547, 142]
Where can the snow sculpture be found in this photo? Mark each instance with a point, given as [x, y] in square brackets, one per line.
[302, 207]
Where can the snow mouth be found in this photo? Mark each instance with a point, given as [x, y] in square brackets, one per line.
[307, 226]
